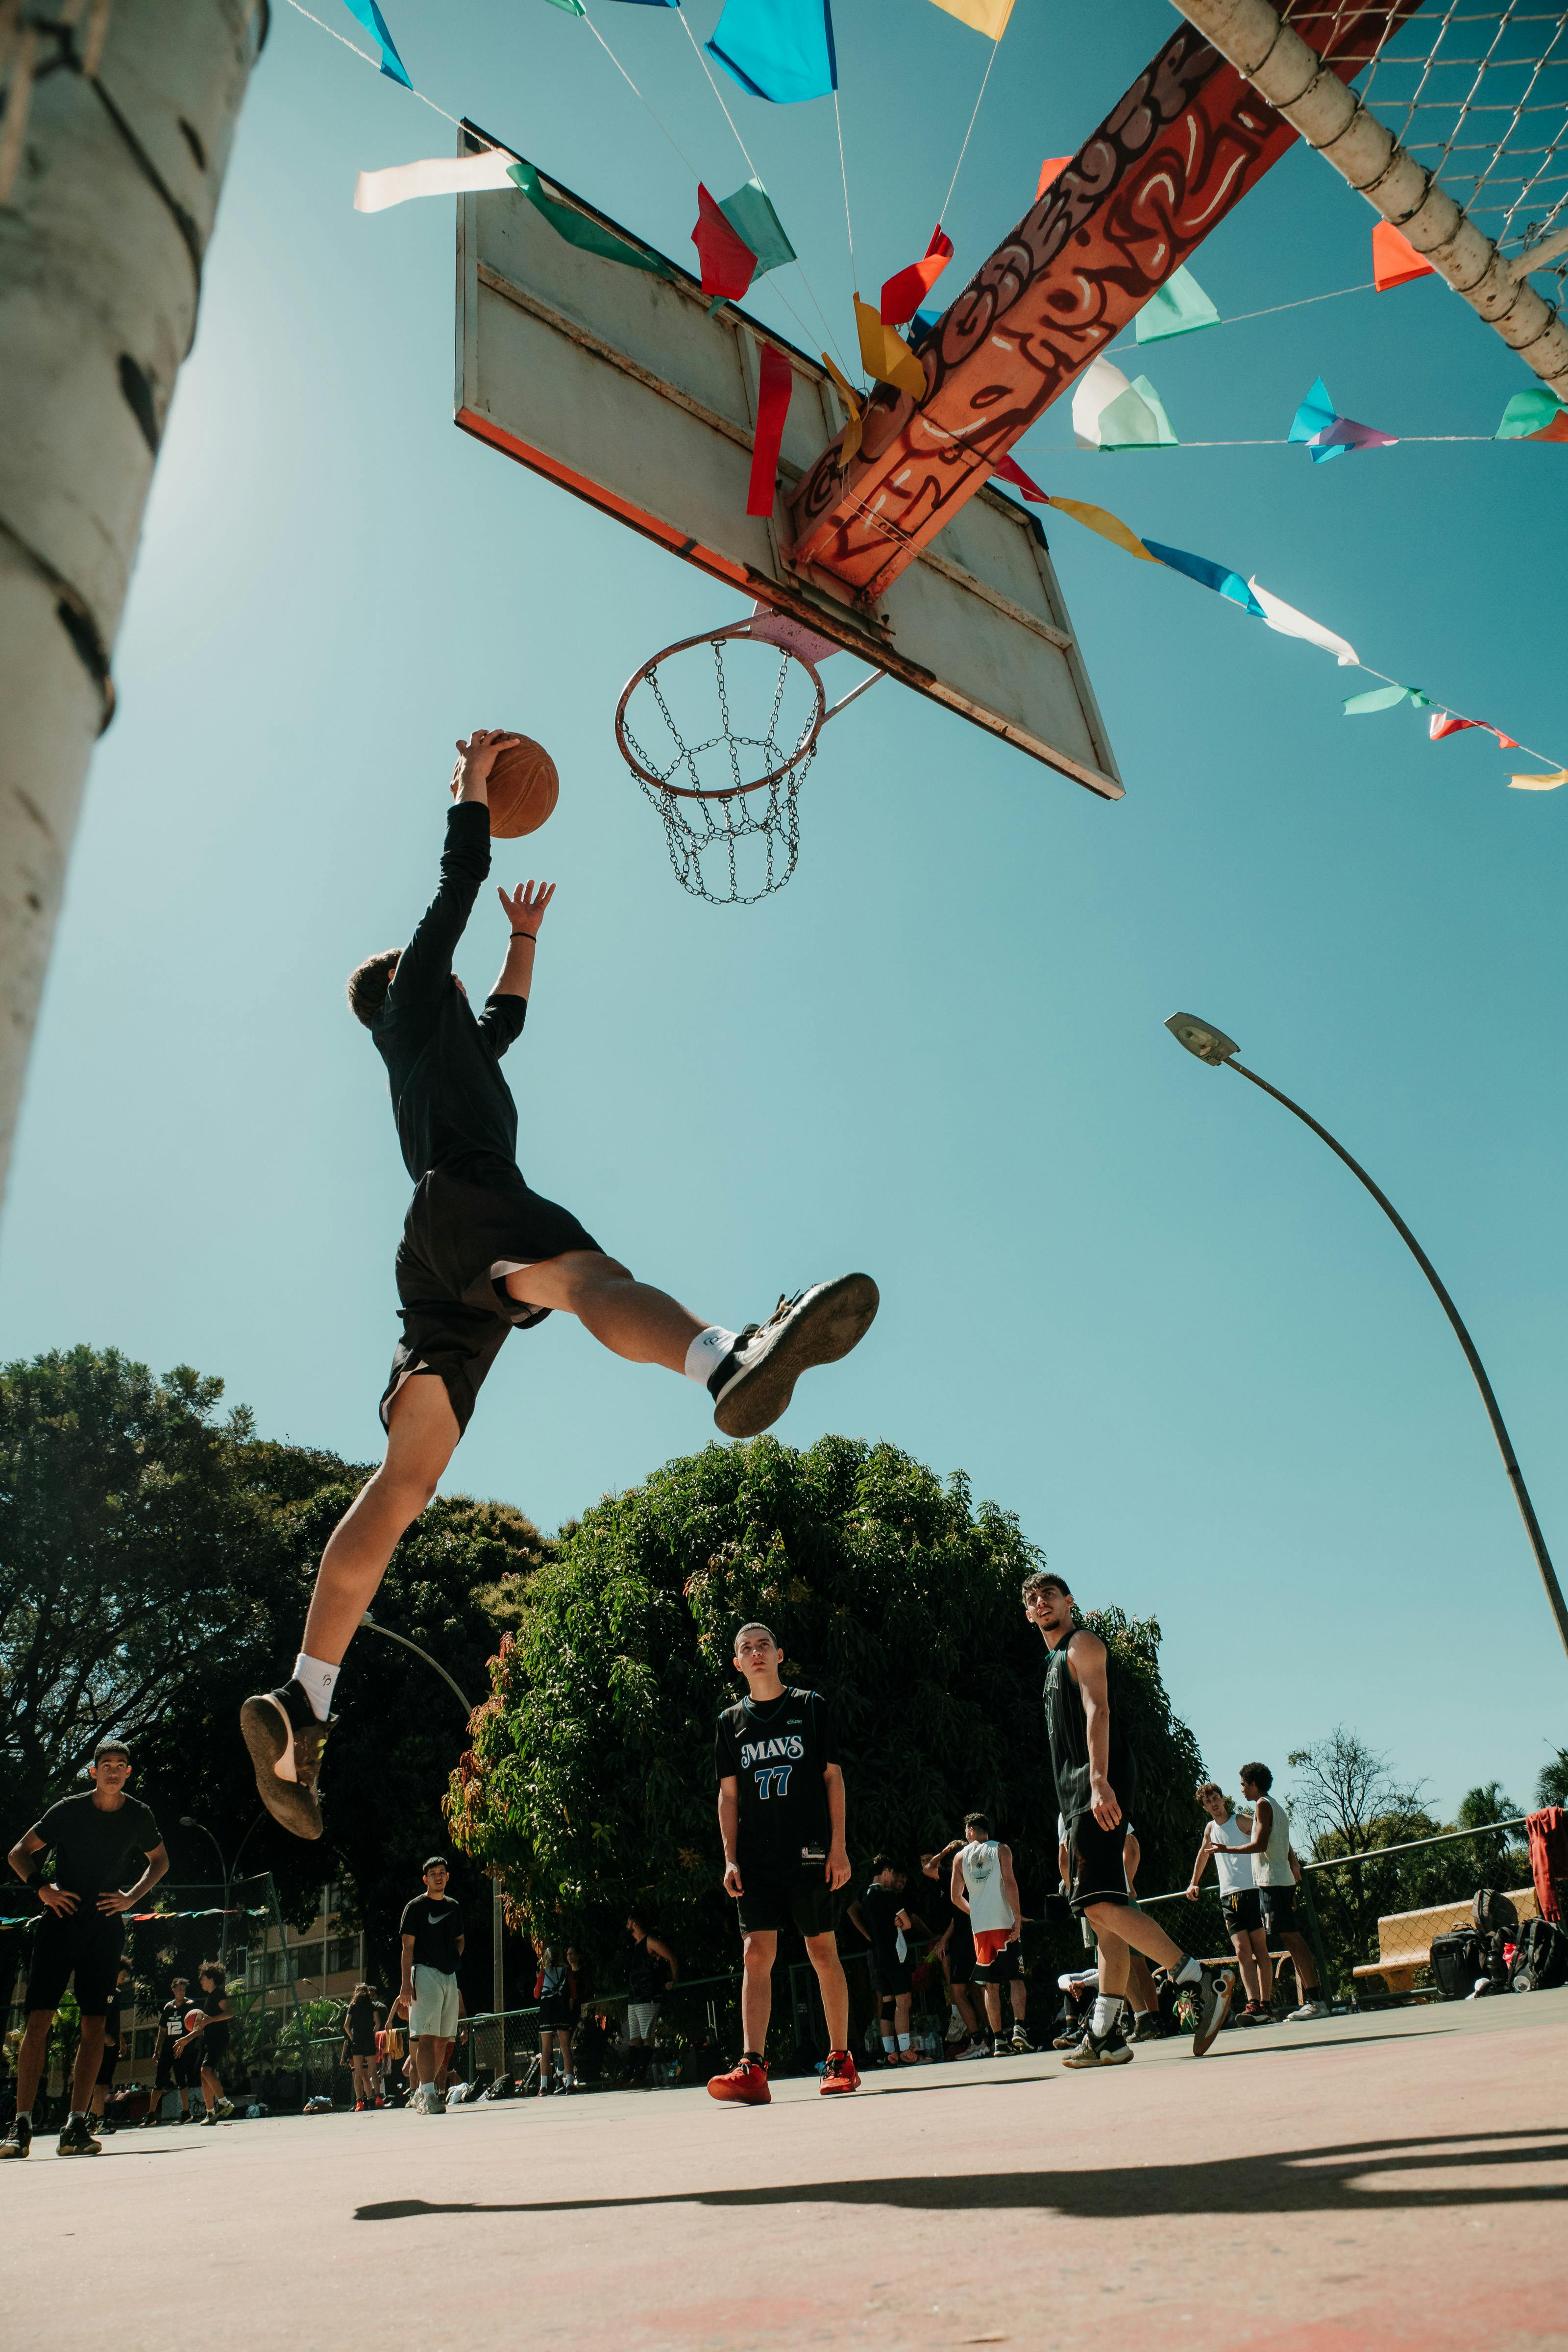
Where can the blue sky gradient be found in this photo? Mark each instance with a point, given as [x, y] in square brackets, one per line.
[1136, 1302]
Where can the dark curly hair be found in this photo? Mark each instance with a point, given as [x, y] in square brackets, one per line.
[368, 985]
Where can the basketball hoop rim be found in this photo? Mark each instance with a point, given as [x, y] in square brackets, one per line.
[732, 792]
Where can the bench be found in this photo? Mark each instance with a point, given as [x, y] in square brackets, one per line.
[1405, 1942]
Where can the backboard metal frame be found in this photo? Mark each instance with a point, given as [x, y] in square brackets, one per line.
[622, 387]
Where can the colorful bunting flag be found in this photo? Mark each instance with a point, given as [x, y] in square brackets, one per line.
[778, 49]
[849, 446]
[577, 229]
[1051, 169]
[1327, 434]
[987, 16]
[1534, 414]
[569, 7]
[1179, 307]
[1383, 697]
[1112, 527]
[907, 290]
[727, 262]
[1108, 413]
[1007, 469]
[437, 175]
[1291, 624]
[751, 215]
[1208, 575]
[775, 383]
[370, 17]
[1539, 783]
[885, 354]
[1394, 260]
[1443, 722]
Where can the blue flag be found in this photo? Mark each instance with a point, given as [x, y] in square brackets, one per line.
[374, 22]
[778, 49]
[1217, 576]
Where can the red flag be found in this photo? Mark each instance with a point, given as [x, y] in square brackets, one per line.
[903, 293]
[1051, 169]
[1007, 469]
[1443, 722]
[728, 264]
[1394, 260]
[776, 384]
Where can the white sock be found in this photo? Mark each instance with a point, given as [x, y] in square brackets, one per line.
[903, 2040]
[316, 1681]
[1190, 1971]
[889, 2044]
[707, 1352]
[1107, 2009]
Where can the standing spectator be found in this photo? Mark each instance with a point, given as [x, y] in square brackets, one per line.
[650, 1966]
[432, 1937]
[553, 1991]
[953, 1950]
[111, 2059]
[210, 2039]
[95, 1839]
[881, 1918]
[1227, 1840]
[1276, 1873]
[171, 2074]
[984, 1884]
[361, 2020]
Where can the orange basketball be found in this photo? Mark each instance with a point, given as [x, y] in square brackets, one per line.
[523, 790]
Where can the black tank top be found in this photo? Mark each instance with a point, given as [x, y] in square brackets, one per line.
[1067, 1728]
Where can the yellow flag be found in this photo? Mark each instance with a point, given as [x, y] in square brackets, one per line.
[885, 354]
[1108, 526]
[1539, 783]
[987, 16]
[849, 447]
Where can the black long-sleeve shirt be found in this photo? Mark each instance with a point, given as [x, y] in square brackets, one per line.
[448, 1097]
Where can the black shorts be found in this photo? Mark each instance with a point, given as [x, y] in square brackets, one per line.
[107, 2065]
[1243, 1912]
[460, 1239]
[1008, 1968]
[889, 1975]
[1097, 1865]
[960, 1958]
[555, 2016]
[84, 1945]
[794, 1898]
[212, 2049]
[1278, 1904]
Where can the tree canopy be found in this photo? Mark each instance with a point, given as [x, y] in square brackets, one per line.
[590, 1783]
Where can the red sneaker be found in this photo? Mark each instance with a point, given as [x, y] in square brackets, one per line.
[838, 2075]
[747, 2083]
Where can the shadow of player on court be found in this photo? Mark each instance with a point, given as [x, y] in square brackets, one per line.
[1356, 2178]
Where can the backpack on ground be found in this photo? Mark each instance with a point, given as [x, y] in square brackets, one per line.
[1457, 1960]
[1542, 1958]
[1490, 1912]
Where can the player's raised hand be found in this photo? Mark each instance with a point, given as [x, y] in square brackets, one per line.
[475, 755]
[526, 905]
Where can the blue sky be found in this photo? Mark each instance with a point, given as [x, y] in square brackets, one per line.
[1136, 1302]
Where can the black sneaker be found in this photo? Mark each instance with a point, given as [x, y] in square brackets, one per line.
[209, 2121]
[18, 2141]
[1020, 2045]
[1146, 2027]
[1097, 2050]
[75, 2139]
[755, 1381]
[1213, 2007]
[285, 1740]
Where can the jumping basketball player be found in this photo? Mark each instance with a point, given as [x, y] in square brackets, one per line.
[481, 1254]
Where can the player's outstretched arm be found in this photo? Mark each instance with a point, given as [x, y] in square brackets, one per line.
[425, 968]
[525, 911]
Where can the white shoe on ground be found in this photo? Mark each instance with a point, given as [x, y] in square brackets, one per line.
[1309, 2008]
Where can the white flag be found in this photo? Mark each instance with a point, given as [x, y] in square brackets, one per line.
[438, 176]
[1291, 624]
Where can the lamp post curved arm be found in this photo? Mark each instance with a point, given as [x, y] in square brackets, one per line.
[388, 1635]
[189, 1822]
[1212, 1046]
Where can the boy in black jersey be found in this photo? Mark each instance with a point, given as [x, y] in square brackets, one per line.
[1097, 1777]
[482, 1254]
[781, 1821]
[95, 1839]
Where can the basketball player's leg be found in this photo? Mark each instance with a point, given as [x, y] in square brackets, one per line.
[1098, 1893]
[285, 1730]
[750, 1374]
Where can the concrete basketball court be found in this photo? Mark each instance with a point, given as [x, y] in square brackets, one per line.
[1393, 2180]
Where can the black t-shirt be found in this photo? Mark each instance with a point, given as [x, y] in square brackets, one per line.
[98, 1850]
[172, 2018]
[931, 1899]
[775, 1750]
[1067, 1729]
[645, 1971]
[448, 1097]
[434, 1928]
[880, 1907]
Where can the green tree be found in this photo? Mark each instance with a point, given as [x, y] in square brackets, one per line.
[590, 1781]
[1551, 1788]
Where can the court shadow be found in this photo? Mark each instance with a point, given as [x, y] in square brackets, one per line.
[1366, 2175]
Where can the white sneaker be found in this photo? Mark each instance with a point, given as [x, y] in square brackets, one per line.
[1309, 2010]
[429, 2101]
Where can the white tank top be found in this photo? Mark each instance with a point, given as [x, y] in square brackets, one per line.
[1272, 1866]
[1235, 1870]
[989, 1908]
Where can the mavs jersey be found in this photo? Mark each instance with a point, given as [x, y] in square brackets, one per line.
[775, 1750]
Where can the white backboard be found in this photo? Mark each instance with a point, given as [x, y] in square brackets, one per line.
[620, 387]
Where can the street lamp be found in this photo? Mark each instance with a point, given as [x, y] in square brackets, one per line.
[189, 1822]
[498, 1921]
[1212, 1046]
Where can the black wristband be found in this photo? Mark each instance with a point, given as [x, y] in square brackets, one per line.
[525, 935]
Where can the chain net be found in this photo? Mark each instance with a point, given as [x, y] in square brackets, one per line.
[1480, 97]
[726, 798]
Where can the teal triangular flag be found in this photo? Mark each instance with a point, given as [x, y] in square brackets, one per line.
[1180, 306]
[1527, 412]
[1382, 698]
[1136, 419]
[751, 215]
[578, 230]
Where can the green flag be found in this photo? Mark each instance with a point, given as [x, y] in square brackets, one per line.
[1180, 306]
[578, 230]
